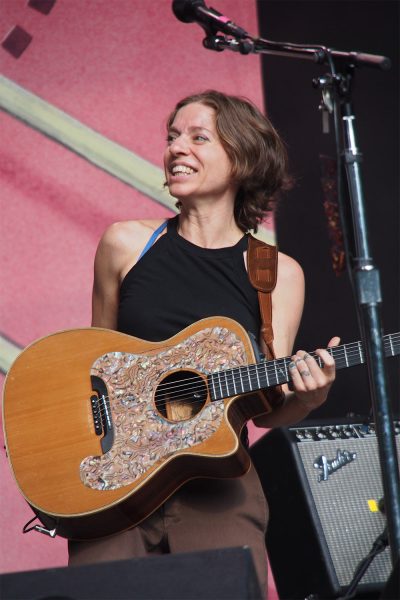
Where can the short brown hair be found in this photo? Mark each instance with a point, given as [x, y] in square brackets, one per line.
[257, 153]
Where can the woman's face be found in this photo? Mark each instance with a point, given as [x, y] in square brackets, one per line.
[196, 164]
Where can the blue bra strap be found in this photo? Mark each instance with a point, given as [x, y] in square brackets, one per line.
[153, 238]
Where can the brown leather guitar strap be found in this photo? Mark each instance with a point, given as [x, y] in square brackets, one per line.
[262, 267]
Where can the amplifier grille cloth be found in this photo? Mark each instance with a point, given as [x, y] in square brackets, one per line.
[350, 527]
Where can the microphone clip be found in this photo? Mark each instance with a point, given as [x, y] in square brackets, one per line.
[218, 43]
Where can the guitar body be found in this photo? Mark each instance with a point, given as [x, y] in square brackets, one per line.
[96, 439]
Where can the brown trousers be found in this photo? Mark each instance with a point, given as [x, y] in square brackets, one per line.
[204, 514]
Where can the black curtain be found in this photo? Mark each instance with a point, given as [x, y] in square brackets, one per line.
[301, 224]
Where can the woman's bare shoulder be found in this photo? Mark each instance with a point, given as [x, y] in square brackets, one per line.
[121, 245]
[289, 270]
[129, 236]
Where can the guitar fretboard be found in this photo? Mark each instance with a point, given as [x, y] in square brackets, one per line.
[254, 377]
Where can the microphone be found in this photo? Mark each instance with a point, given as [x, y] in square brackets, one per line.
[211, 20]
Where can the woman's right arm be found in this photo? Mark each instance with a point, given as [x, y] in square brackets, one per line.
[107, 278]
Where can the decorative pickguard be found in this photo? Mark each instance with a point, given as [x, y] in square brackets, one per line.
[142, 436]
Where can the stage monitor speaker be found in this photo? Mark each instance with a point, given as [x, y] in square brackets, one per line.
[224, 574]
[324, 489]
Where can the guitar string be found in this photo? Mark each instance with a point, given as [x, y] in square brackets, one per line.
[194, 386]
[178, 396]
[230, 379]
[272, 365]
[250, 371]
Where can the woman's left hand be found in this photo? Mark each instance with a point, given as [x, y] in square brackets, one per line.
[310, 382]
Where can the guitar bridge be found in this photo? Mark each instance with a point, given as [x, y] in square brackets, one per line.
[101, 412]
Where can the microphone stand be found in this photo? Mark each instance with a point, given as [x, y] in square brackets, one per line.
[336, 89]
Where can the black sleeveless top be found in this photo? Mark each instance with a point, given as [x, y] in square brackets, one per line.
[177, 283]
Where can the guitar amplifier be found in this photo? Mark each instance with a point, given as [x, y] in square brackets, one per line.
[324, 489]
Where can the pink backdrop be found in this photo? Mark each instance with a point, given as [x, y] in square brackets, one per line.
[118, 67]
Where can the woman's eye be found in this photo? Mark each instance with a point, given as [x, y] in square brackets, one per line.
[170, 138]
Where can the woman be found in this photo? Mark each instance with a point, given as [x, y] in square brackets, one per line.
[224, 163]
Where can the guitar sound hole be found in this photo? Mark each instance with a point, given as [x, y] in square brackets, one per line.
[181, 395]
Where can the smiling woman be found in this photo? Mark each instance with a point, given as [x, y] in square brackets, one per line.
[257, 155]
[196, 163]
[224, 163]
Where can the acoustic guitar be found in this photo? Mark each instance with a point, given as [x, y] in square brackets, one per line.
[101, 427]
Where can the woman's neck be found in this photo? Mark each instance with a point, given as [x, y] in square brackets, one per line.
[209, 229]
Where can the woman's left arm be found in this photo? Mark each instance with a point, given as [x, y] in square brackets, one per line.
[310, 384]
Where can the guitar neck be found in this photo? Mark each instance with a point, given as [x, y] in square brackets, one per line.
[254, 377]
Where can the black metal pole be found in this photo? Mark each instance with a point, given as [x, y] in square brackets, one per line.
[366, 281]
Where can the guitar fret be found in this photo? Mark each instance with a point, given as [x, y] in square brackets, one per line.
[234, 385]
[345, 355]
[226, 383]
[356, 357]
[220, 384]
[286, 371]
[241, 378]
[276, 372]
[249, 377]
[360, 352]
[266, 375]
[258, 379]
[391, 345]
[213, 386]
[282, 371]
[245, 380]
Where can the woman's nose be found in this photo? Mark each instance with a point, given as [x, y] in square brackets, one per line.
[179, 145]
